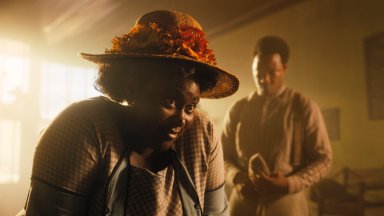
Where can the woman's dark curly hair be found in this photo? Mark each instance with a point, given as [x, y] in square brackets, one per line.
[119, 79]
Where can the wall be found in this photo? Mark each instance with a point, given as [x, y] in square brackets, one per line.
[327, 63]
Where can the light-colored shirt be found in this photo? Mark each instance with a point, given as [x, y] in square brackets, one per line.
[258, 124]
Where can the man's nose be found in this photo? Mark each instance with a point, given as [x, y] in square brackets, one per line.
[263, 78]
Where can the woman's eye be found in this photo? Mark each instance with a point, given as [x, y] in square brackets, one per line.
[171, 103]
[190, 108]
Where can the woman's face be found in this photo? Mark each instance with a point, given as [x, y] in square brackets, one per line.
[164, 110]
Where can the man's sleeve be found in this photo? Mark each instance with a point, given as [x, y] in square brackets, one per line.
[317, 152]
[228, 138]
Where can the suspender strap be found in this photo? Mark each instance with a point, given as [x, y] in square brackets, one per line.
[119, 183]
[297, 144]
[188, 195]
[118, 188]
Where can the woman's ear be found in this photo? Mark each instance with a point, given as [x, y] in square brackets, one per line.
[130, 90]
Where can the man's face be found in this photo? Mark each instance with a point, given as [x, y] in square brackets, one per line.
[268, 72]
[165, 110]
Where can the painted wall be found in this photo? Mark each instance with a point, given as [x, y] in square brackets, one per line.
[327, 63]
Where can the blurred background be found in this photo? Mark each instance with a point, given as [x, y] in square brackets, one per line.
[337, 58]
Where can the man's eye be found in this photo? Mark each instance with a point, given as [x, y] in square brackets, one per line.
[274, 72]
[190, 108]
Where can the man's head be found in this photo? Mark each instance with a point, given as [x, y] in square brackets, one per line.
[270, 64]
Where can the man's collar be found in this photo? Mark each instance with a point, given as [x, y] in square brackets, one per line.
[279, 92]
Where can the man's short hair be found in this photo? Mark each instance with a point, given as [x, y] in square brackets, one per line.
[270, 45]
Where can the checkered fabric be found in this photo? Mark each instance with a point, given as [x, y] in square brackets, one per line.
[153, 194]
[81, 147]
[204, 161]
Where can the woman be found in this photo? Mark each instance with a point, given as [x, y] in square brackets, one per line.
[142, 148]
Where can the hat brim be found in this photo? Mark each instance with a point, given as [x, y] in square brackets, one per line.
[227, 84]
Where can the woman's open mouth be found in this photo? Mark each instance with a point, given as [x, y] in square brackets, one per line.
[173, 133]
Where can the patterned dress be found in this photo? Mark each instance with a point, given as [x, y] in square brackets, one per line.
[79, 151]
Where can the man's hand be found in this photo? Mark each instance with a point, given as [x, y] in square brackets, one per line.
[244, 186]
[274, 184]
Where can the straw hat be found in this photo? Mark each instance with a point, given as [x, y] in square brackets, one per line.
[171, 35]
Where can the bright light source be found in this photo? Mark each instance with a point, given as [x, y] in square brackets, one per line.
[10, 133]
[14, 70]
[14, 77]
[62, 85]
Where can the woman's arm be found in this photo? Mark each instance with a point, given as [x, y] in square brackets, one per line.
[215, 199]
[65, 166]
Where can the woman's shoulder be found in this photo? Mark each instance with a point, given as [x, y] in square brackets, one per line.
[81, 115]
[88, 105]
[202, 119]
[68, 145]
[85, 108]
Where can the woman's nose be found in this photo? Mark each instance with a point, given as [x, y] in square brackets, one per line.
[180, 117]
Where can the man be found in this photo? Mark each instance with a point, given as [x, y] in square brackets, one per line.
[282, 126]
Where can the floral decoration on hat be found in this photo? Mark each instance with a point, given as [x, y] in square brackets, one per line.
[185, 40]
[174, 36]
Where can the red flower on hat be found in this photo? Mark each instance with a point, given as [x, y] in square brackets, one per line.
[192, 42]
[186, 40]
